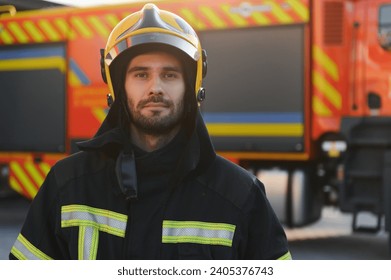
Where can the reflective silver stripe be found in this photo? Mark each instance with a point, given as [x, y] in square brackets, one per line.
[104, 220]
[153, 38]
[24, 250]
[90, 221]
[88, 243]
[198, 232]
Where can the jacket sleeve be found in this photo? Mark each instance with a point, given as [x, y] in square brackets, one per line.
[266, 238]
[38, 239]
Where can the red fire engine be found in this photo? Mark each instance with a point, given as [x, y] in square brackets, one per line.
[298, 91]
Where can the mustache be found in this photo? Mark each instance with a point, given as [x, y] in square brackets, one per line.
[154, 99]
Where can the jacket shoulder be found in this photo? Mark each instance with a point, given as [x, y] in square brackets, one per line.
[231, 181]
[77, 165]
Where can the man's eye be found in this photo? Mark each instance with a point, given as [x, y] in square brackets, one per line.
[170, 75]
[141, 75]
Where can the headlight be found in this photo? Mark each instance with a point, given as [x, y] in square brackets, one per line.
[334, 148]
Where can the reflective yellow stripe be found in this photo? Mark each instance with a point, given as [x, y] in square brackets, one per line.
[49, 30]
[332, 95]
[101, 219]
[65, 29]
[23, 178]
[99, 114]
[99, 27]
[18, 32]
[319, 108]
[326, 62]
[80, 25]
[281, 15]
[213, 17]
[33, 31]
[198, 224]
[198, 232]
[189, 16]
[15, 185]
[90, 221]
[247, 129]
[299, 8]
[24, 250]
[112, 20]
[34, 173]
[285, 257]
[237, 19]
[44, 167]
[33, 63]
[5, 36]
[88, 243]
[260, 18]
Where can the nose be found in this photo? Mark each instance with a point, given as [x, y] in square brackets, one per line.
[155, 86]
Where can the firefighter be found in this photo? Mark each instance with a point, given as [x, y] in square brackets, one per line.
[149, 184]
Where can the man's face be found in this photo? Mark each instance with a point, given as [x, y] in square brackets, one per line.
[155, 89]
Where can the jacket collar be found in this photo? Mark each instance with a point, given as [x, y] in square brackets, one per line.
[197, 156]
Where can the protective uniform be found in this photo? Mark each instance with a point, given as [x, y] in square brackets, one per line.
[115, 201]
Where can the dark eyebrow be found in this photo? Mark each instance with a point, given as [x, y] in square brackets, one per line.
[143, 68]
[137, 68]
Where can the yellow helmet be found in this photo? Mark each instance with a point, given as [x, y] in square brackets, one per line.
[150, 26]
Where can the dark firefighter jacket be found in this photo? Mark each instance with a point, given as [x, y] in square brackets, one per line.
[208, 208]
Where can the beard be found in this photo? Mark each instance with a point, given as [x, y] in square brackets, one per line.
[156, 124]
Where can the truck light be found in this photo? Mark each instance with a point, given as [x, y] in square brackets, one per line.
[334, 148]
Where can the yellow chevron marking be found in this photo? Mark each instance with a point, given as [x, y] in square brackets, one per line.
[319, 108]
[112, 20]
[260, 18]
[84, 30]
[15, 185]
[327, 89]
[299, 8]
[49, 30]
[44, 167]
[5, 36]
[21, 175]
[34, 32]
[189, 16]
[326, 62]
[65, 29]
[213, 17]
[247, 129]
[99, 114]
[34, 173]
[237, 19]
[73, 79]
[99, 27]
[33, 63]
[18, 32]
[279, 12]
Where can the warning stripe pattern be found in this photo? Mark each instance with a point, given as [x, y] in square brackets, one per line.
[201, 17]
[27, 177]
[327, 99]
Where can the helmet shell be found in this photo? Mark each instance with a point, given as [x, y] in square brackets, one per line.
[150, 26]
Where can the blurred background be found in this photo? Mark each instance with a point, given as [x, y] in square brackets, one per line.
[298, 92]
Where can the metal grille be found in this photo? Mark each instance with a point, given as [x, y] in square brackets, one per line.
[333, 22]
